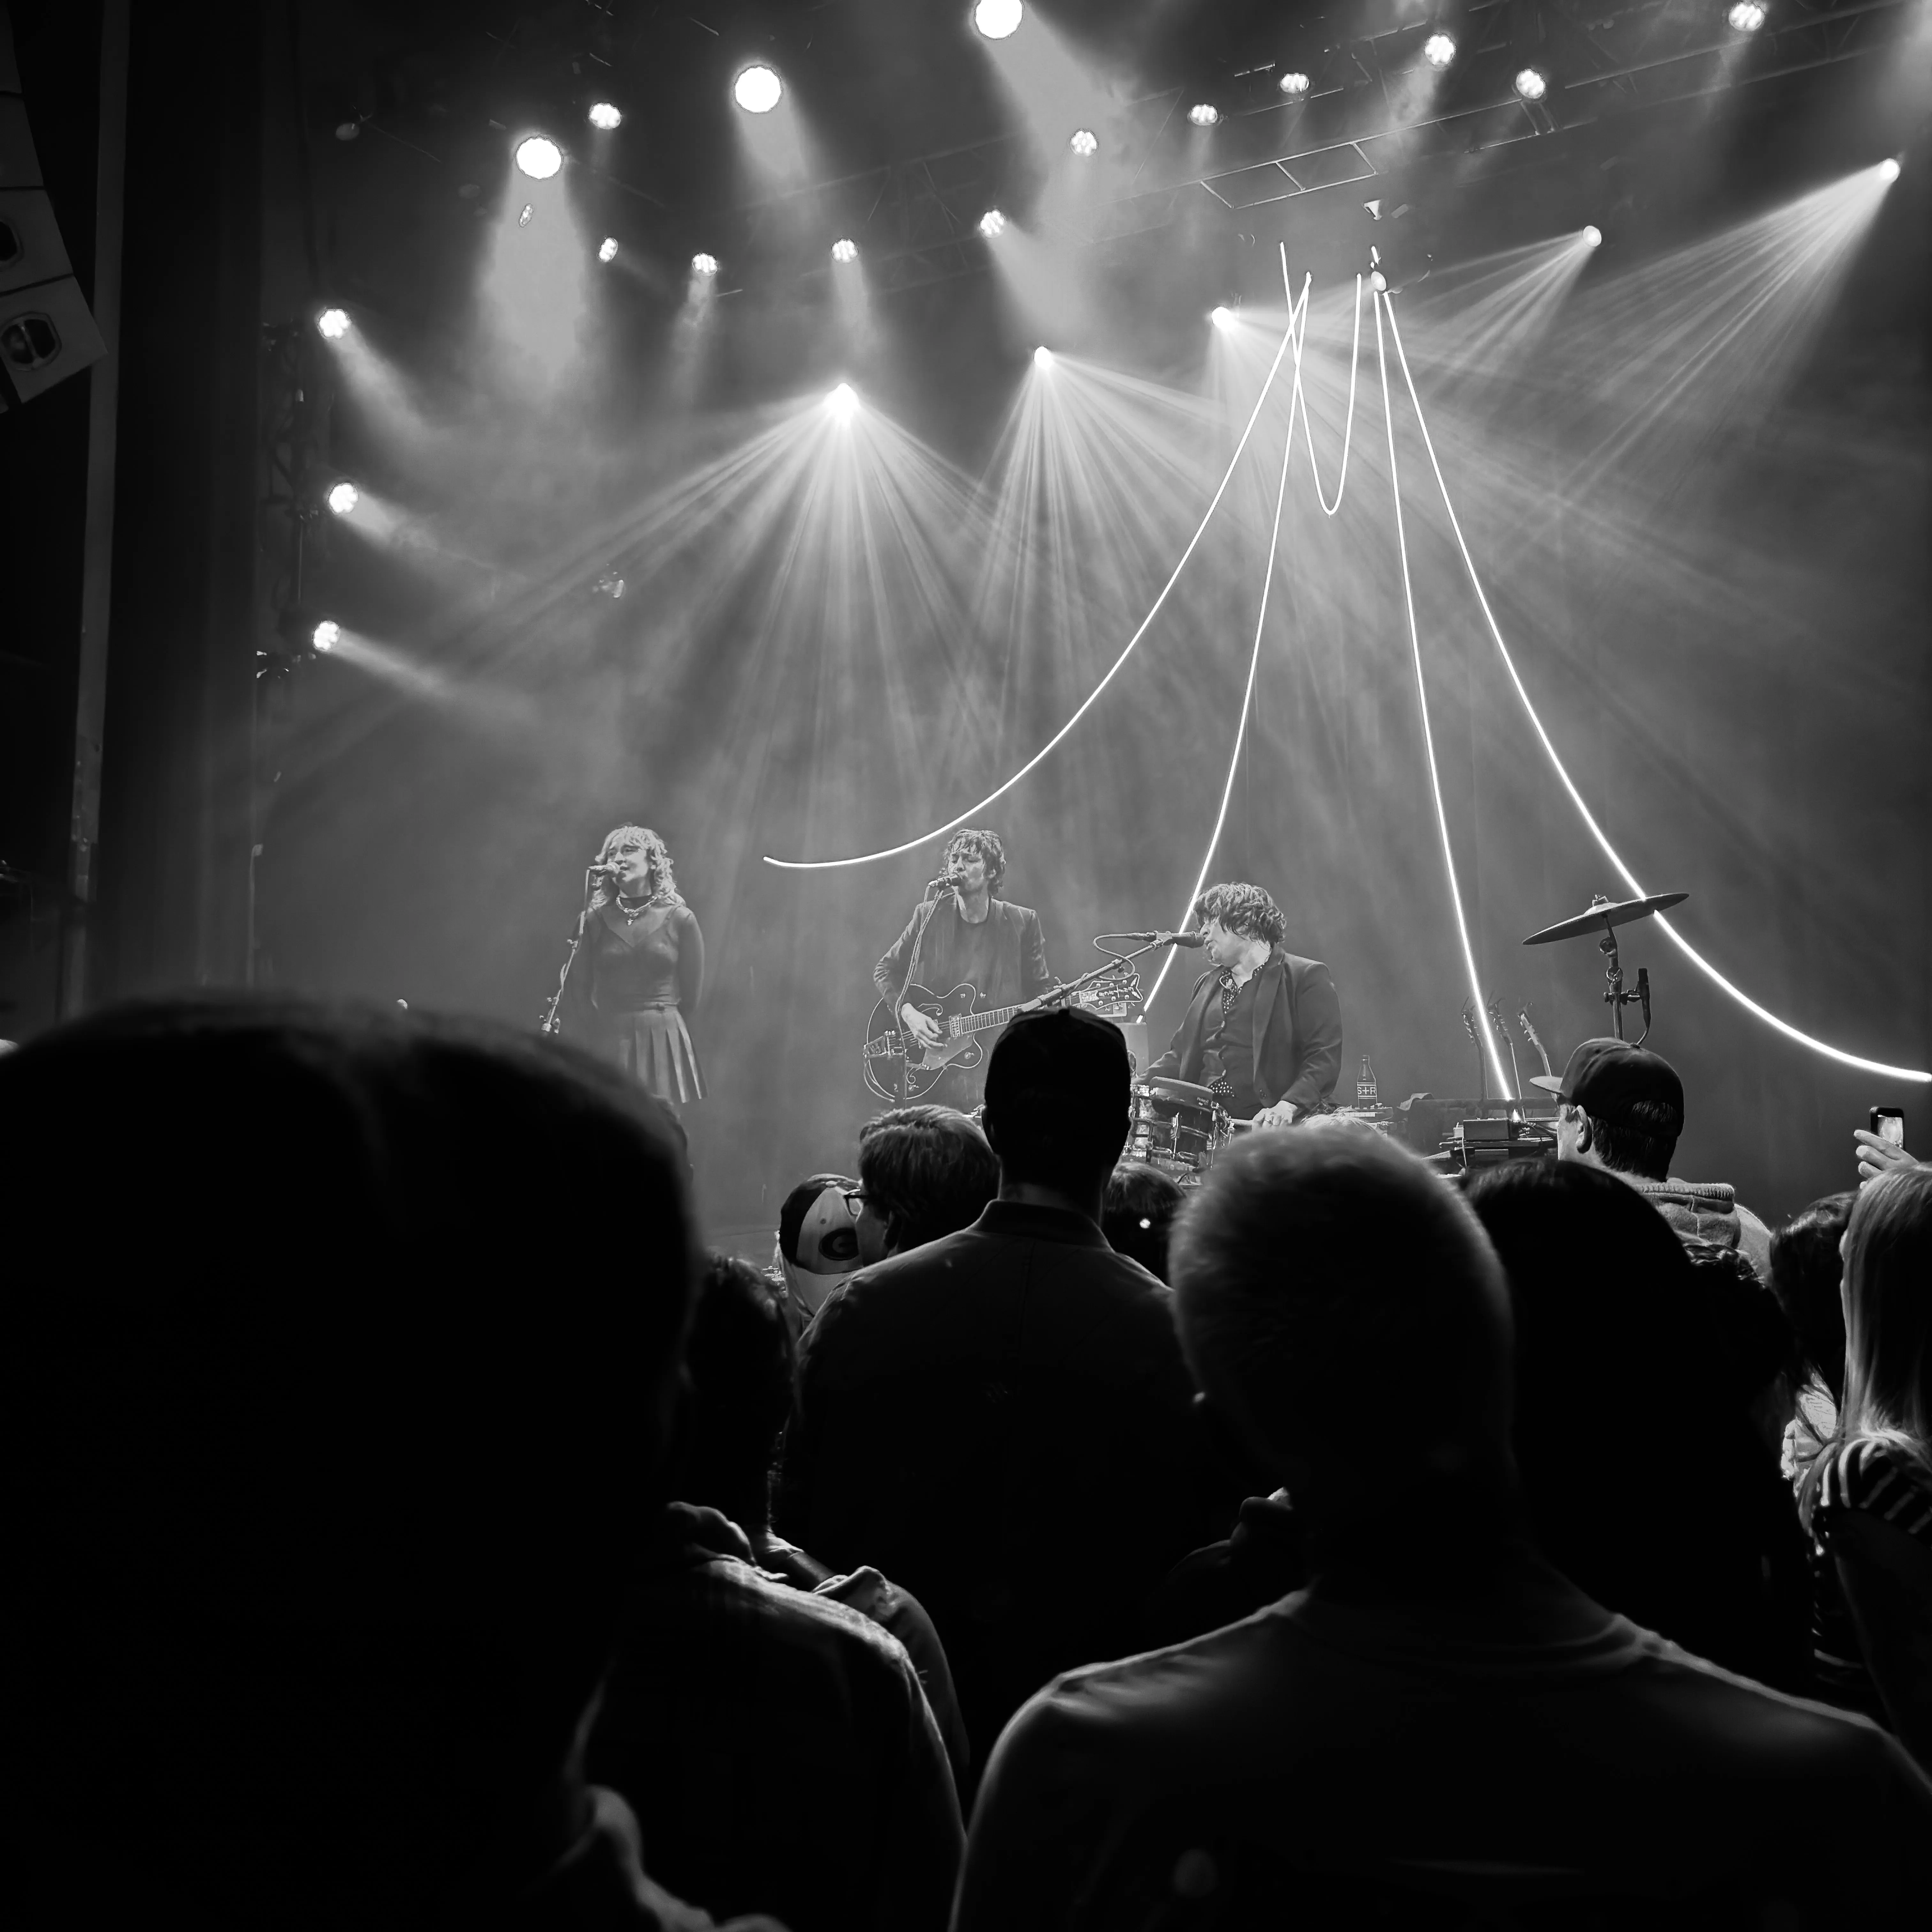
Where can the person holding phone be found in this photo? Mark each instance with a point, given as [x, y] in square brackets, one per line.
[1881, 1147]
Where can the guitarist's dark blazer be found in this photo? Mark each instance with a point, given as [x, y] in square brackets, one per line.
[1021, 971]
[1298, 1032]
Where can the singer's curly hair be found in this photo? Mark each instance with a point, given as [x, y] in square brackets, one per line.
[1248, 911]
[971, 845]
[663, 881]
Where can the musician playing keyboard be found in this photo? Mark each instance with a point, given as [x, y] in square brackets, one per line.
[967, 935]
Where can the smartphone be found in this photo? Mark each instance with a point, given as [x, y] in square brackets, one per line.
[1889, 1123]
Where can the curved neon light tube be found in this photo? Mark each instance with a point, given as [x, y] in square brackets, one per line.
[1596, 833]
[1247, 696]
[1428, 734]
[1093, 697]
[1298, 400]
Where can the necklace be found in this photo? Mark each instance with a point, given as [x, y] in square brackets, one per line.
[635, 911]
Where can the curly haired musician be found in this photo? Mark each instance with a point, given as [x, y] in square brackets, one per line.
[1263, 1029]
[967, 936]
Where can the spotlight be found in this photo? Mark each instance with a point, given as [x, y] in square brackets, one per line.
[1888, 170]
[996, 18]
[538, 157]
[334, 323]
[704, 265]
[607, 249]
[1378, 281]
[757, 90]
[844, 249]
[992, 223]
[1084, 142]
[1222, 318]
[1531, 84]
[1294, 82]
[526, 215]
[326, 635]
[1439, 50]
[609, 585]
[843, 400]
[1204, 114]
[342, 497]
[1593, 236]
[1041, 356]
[603, 115]
[347, 130]
[1747, 16]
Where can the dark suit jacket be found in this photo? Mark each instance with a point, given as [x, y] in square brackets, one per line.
[1298, 1032]
[1002, 1421]
[1021, 971]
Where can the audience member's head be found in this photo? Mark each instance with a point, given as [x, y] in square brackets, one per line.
[1888, 1313]
[927, 1172]
[1137, 1212]
[1619, 1363]
[1807, 1269]
[738, 1357]
[1622, 1108]
[1754, 1336]
[331, 1441]
[1341, 1308]
[1057, 1089]
[818, 1237]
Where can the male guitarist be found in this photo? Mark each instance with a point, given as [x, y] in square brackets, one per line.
[966, 936]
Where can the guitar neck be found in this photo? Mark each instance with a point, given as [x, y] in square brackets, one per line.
[999, 1016]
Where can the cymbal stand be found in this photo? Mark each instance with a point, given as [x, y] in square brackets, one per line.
[1615, 997]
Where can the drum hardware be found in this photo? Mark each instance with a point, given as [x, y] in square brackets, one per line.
[1604, 913]
[1177, 1126]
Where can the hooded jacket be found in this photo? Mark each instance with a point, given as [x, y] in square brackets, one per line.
[1707, 1211]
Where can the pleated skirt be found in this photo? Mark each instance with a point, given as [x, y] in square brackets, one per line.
[655, 1046]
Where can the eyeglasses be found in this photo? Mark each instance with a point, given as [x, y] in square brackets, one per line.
[854, 1198]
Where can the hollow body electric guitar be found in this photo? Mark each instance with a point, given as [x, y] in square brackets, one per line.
[958, 1046]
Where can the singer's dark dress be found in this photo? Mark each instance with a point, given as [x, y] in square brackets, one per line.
[634, 981]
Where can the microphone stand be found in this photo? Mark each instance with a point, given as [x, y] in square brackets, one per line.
[550, 1020]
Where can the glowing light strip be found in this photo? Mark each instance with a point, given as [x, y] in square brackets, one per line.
[1254, 665]
[1093, 697]
[1608, 850]
[1299, 400]
[1428, 735]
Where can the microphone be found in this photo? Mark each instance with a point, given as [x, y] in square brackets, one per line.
[1190, 939]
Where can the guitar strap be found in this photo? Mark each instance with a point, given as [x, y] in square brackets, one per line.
[912, 974]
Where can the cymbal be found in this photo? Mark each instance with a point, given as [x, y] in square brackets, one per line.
[1604, 913]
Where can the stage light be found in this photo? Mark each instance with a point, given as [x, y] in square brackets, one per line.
[992, 223]
[526, 215]
[757, 90]
[1747, 16]
[1888, 170]
[1204, 114]
[1294, 82]
[334, 323]
[607, 249]
[704, 265]
[1222, 318]
[996, 18]
[844, 249]
[1041, 356]
[1593, 236]
[1531, 84]
[843, 400]
[347, 130]
[342, 497]
[1378, 281]
[326, 635]
[538, 157]
[1084, 142]
[1439, 50]
[603, 115]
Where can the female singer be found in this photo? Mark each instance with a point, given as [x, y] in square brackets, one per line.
[640, 969]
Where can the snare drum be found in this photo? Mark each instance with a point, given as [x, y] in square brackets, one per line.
[1178, 1127]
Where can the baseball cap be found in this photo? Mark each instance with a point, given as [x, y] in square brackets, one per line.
[817, 1230]
[1605, 1076]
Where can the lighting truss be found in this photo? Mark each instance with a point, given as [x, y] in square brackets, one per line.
[915, 219]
